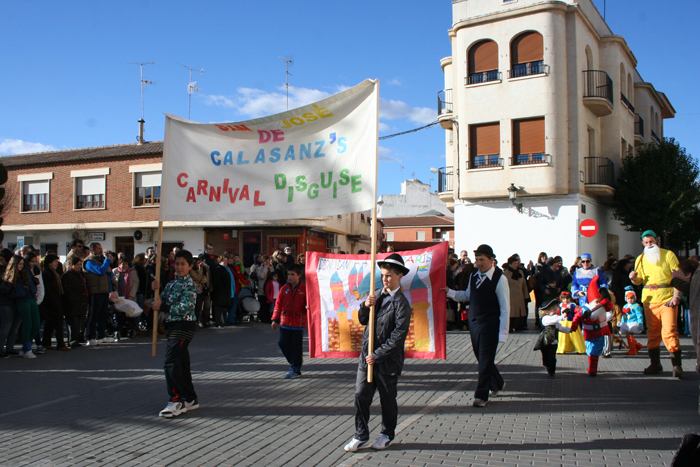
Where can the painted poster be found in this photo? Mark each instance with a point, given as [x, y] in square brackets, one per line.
[337, 284]
[317, 160]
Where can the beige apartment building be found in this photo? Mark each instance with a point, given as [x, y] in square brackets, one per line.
[542, 98]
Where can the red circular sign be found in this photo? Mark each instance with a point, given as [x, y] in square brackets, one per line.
[588, 228]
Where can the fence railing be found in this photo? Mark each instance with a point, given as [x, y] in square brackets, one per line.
[484, 77]
[482, 162]
[600, 171]
[597, 84]
[444, 102]
[527, 69]
[655, 137]
[445, 179]
[530, 159]
[626, 102]
[638, 125]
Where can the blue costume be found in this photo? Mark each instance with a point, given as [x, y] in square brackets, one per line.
[582, 280]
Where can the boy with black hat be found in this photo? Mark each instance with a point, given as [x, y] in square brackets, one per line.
[489, 319]
[548, 338]
[392, 320]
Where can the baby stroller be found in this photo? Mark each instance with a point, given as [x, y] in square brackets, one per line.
[125, 315]
[248, 305]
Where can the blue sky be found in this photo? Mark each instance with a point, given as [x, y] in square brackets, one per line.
[69, 82]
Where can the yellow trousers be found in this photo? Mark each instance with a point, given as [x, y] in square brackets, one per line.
[661, 325]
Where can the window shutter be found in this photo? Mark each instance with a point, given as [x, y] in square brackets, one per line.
[91, 186]
[486, 139]
[483, 57]
[528, 136]
[528, 47]
[36, 188]
[145, 180]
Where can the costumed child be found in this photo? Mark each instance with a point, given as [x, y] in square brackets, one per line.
[570, 341]
[594, 321]
[547, 340]
[392, 319]
[632, 320]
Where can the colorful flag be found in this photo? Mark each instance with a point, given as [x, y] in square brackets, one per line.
[335, 293]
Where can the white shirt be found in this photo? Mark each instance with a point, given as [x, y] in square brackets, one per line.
[503, 295]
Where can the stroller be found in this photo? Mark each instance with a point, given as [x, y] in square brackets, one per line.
[125, 316]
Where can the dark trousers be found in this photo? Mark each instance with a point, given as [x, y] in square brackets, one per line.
[219, 314]
[10, 321]
[484, 335]
[97, 316]
[364, 393]
[178, 375]
[549, 358]
[264, 312]
[73, 323]
[51, 325]
[291, 342]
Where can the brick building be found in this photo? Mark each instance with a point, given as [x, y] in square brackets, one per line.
[410, 233]
[111, 194]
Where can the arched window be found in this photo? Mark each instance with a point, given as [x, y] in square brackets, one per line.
[483, 62]
[630, 88]
[623, 80]
[589, 58]
[527, 54]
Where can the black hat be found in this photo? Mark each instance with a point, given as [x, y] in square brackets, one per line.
[484, 250]
[549, 303]
[396, 260]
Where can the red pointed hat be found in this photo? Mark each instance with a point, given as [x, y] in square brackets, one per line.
[592, 293]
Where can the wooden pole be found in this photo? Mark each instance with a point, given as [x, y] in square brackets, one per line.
[373, 249]
[156, 293]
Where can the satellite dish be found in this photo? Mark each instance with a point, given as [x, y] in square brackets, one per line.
[138, 235]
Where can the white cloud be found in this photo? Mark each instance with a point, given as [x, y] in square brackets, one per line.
[392, 109]
[384, 127]
[385, 155]
[17, 146]
[222, 101]
[394, 82]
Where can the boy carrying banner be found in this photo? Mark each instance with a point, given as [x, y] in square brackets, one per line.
[392, 320]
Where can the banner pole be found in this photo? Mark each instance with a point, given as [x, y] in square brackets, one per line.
[373, 248]
[156, 293]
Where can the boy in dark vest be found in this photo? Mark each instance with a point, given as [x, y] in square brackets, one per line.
[392, 320]
[489, 316]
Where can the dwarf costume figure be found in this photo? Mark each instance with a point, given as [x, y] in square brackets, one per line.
[593, 319]
[632, 320]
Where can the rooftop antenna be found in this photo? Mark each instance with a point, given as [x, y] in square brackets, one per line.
[143, 81]
[287, 61]
[191, 88]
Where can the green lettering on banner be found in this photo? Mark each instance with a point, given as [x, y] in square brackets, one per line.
[280, 181]
[344, 177]
[313, 191]
[356, 183]
[301, 183]
[291, 194]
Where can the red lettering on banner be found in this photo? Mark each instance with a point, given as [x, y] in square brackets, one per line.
[233, 128]
[180, 183]
[256, 199]
[232, 194]
[215, 194]
[190, 195]
[225, 185]
[202, 187]
[245, 195]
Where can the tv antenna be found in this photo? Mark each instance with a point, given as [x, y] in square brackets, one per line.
[287, 61]
[143, 81]
[191, 88]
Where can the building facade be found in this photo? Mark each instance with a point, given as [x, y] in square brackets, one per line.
[111, 195]
[542, 98]
[415, 232]
[415, 199]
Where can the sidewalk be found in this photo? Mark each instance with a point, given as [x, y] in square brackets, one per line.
[99, 406]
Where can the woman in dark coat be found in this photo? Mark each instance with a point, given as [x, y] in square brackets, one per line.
[75, 299]
[620, 279]
[221, 296]
[51, 307]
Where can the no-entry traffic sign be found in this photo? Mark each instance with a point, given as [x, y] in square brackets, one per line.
[588, 227]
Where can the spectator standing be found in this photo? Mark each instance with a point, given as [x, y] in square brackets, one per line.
[126, 281]
[76, 299]
[620, 278]
[272, 291]
[76, 248]
[204, 315]
[279, 264]
[27, 292]
[10, 318]
[140, 268]
[262, 273]
[222, 295]
[290, 318]
[289, 256]
[199, 280]
[98, 272]
[518, 293]
[583, 277]
[687, 280]
[51, 306]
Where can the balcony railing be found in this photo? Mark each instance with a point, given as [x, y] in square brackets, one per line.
[638, 126]
[655, 137]
[626, 102]
[35, 202]
[483, 162]
[90, 201]
[597, 84]
[600, 171]
[527, 69]
[444, 179]
[445, 102]
[484, 77]
[530, 159]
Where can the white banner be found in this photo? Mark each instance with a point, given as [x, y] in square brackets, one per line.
[317, 160]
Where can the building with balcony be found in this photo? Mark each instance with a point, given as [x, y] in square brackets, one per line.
[415, 199]
[111, 194]
[542, 97]
[416, 232]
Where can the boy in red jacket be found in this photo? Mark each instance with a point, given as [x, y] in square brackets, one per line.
[290, 318]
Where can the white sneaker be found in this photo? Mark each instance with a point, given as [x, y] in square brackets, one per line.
[382, 442]
[173, 409]
[496, 393]
[91, 343]
[355, 445]
[192, 405]
[29, 354]
[107, 340]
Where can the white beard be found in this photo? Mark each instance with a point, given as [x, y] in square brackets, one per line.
[653, 254]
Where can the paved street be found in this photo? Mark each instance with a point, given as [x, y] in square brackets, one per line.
[99, 406]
